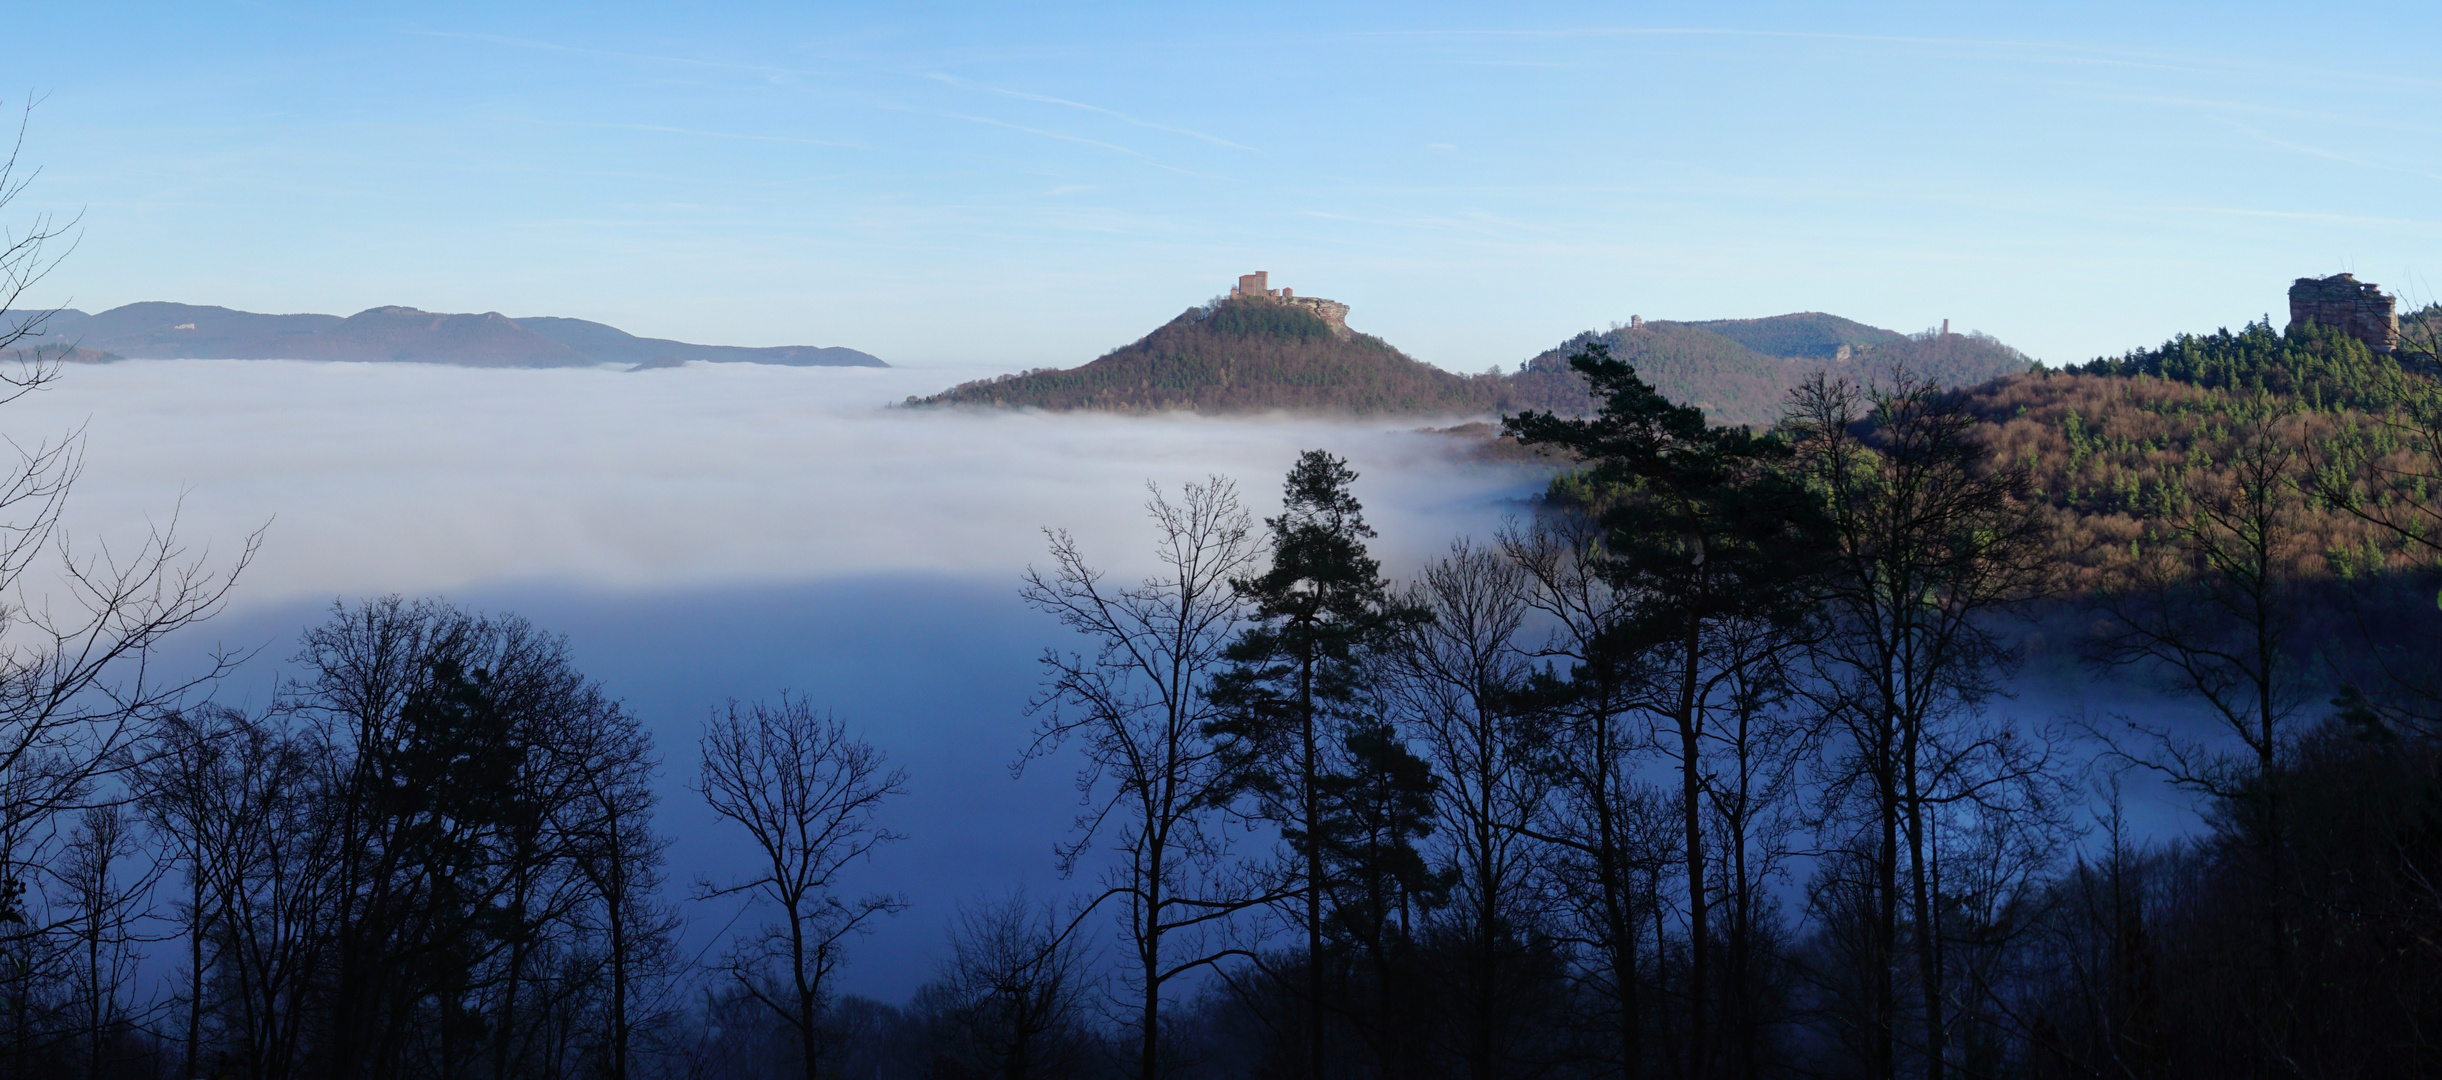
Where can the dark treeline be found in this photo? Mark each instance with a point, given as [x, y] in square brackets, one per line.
[1708, 770]
[432, 854]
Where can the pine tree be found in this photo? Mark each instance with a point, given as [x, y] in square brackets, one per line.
[1708, 539]
[1298, 674]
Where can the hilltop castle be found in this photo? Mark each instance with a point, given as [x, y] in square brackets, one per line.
[1255, 286]
[2357, 308]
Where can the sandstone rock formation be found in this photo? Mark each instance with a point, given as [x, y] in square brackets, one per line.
[2357, 308]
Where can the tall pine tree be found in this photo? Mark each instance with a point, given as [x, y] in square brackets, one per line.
[1298, 676]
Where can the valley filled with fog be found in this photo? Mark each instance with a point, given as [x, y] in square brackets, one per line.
[713, 532]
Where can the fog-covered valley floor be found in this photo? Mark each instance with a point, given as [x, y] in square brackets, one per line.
[710, 532]
[734, 531]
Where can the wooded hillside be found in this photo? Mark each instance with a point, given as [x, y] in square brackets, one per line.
[1258, 356]
[1241, 356]
[1728, 368]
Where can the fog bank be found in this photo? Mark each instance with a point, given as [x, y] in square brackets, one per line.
[710, 532]
[416, 478]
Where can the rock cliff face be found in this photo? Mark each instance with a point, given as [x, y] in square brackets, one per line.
[1333, 313]
[2357, 308]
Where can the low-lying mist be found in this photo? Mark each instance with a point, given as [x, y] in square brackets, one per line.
[419, 478]
[735, 531]
[710, 532]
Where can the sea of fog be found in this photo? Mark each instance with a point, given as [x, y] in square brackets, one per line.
[709, 532]
[719, 531]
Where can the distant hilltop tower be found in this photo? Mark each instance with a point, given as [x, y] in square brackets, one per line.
[1257, 286]
[2356, 308]
[1253, 285]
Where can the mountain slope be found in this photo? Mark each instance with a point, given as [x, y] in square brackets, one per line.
[1241, 355]
[1806, 333]
[156, 330]
[404, 334]
[1251, 354]
[1717, 367]
[610, 344]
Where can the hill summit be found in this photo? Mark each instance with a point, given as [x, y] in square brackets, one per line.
[1260, 349]
[1254, 350]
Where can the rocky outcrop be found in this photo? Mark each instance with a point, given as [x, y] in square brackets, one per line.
[1332, 312]
[2357, 308]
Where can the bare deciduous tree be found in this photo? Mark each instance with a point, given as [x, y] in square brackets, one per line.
[26, 258]
[267, 848]
[1929, 541]
[78, 628]
[1602, 833]
[610, 826]
[2212, 615]
[809, 793]
[1014, 989]
[1458, 680]
[102, 896]
[178, 781]
[1154, 780]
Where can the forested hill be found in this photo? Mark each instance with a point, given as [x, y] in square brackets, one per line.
[1254, 355]
[2122, 451]
[1249, 355]
[1740, 371]
[165, 331]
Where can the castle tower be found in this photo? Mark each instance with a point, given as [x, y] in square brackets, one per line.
[1258, 286]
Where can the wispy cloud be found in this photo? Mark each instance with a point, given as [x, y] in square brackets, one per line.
[2317, 151]
[1114, 114]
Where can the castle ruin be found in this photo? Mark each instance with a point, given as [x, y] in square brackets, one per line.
[1256, 286]
[2356, 308]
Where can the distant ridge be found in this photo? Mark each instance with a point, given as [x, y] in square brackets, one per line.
[1254, 352]
[164, 331]
[1740, 371]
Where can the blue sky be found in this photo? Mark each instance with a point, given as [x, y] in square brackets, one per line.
[979, 184]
